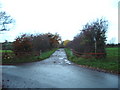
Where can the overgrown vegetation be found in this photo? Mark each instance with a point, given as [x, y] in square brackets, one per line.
[25, 59]
[91, 39]
[109, 63]
[27, 48]
[35, 43]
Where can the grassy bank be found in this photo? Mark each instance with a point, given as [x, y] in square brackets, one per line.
[9, 51]
[110, 63]
[27, 59]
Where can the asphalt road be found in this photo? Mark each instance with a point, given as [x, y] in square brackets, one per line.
[55, 72]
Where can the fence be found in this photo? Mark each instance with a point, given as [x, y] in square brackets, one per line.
[88, 55]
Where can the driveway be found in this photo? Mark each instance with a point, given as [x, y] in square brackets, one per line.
[55, 72]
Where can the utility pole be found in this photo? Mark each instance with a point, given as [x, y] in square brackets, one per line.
[95, 42]
[95, 46]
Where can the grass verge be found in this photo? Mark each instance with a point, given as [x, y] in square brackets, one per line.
[27, 59]
[110, 63]
[7, 51]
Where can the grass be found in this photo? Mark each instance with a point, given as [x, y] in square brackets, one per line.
[27, 59]
[110, 63]
[45, 55]
[112, 53]
[9, 51]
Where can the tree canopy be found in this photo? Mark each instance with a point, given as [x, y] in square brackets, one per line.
[92, 38]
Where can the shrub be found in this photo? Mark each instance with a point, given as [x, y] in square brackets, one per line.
[22, 44]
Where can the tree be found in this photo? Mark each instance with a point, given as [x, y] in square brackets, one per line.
[7, 45]
[92, 38]
[54, 39]
[100, 28]
[40, 42]
[66, 42]
[22, 44]
[5, 21]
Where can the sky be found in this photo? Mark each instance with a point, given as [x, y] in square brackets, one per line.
[65, 17]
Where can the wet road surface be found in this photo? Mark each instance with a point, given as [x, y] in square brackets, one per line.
[55, 72]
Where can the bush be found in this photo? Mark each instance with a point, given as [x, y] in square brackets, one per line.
[6, 55]
[22, 44]
[29, 44]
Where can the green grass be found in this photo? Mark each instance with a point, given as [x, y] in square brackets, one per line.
[27, 59]
[45, 55]
[112, 53]
[109, 63]
[8, 51]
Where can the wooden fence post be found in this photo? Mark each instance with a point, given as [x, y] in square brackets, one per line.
[40, 52]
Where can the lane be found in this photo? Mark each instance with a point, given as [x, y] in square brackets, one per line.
[55, 72]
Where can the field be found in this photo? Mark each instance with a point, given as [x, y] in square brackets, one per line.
[110, 63]
[112, 53]
[26, 59]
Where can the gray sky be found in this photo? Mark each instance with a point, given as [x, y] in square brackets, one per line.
[66, 17]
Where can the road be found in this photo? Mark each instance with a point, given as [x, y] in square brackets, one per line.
[55, 72]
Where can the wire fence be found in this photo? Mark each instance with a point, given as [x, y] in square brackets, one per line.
[88, 55]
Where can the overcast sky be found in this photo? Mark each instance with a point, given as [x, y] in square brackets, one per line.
[66, 17]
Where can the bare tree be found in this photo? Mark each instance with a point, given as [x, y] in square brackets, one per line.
[5, 21]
